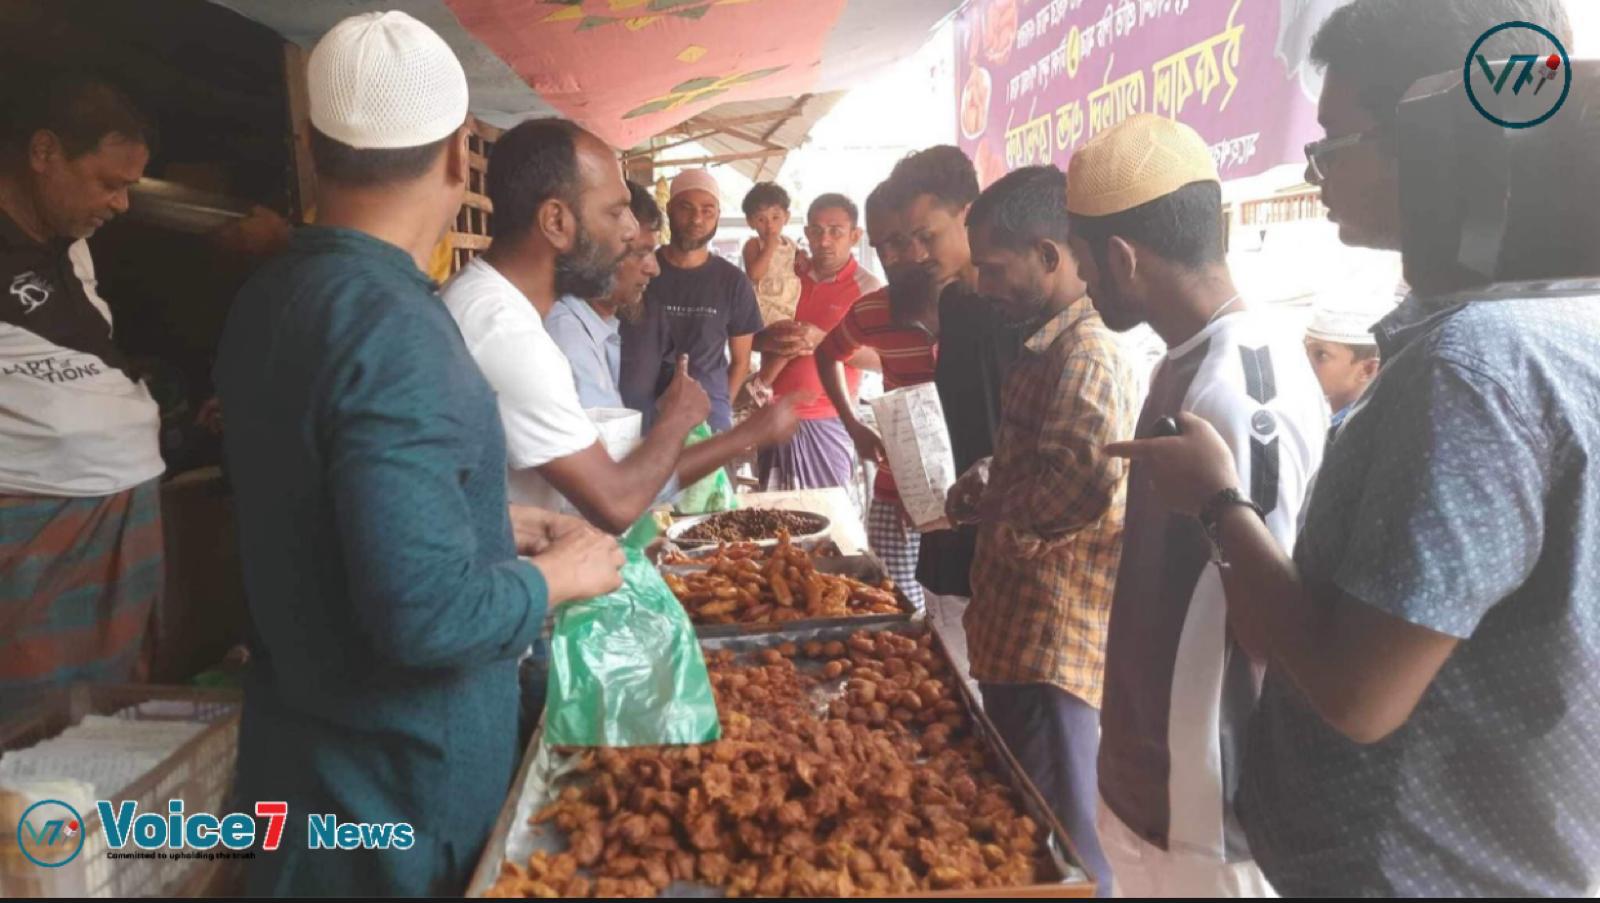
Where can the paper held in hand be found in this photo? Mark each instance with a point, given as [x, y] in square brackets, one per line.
[911, 422]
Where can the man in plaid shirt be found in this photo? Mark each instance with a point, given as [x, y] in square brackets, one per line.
[1050, 505]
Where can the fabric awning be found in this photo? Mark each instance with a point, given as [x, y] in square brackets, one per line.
[632, 70]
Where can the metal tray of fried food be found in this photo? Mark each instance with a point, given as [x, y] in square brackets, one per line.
[545, 772]
[865, 568]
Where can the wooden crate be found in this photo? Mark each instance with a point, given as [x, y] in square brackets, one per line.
[200, 772]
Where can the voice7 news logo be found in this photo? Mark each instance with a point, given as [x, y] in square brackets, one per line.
[51, 832]
[1500, 67]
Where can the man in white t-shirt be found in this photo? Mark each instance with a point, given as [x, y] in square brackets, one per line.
[1180, 683]
[562, 224]
[80, 505]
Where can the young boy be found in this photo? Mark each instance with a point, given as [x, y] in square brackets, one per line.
[1343, 353]
[769, 261]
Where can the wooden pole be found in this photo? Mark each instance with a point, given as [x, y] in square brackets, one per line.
[725, 158]
[304, 183]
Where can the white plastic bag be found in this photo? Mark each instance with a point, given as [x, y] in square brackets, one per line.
[911, 422]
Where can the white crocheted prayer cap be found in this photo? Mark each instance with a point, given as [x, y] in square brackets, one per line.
[1349, 321]
[694, 180]
[385, 80]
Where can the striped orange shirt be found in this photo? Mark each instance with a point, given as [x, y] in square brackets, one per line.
[908, 353]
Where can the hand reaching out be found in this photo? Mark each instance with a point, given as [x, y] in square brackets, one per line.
[962, 503]
[775, 423]
[788, 338]
[1188, 469]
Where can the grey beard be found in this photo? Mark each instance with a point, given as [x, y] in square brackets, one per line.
[631, 312]
[582, 273]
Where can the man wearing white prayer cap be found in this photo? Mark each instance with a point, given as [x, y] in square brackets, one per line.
[699, 305]
[1343, 350]
[388, 604]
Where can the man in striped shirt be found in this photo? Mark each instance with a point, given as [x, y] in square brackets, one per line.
[901, 324]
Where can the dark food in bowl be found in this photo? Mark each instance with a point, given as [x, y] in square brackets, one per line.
[752, 525]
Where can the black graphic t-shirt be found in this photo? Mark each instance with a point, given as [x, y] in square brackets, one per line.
[691, 312]
[72, 421]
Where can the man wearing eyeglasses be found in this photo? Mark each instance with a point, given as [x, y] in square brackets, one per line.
[821, 453]
[1429, 718]
[1367, 70]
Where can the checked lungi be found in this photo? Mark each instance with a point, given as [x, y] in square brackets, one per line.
[896, 544]
[78, 580]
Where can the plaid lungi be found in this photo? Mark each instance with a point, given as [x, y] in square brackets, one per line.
[897, 544]
[78, 580]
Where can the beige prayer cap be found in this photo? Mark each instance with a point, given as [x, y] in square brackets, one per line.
[1144, 158]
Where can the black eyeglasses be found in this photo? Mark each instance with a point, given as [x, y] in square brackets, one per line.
[1318, 152]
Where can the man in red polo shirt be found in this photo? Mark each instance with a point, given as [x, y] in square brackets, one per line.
[900, 323]
[821, 453]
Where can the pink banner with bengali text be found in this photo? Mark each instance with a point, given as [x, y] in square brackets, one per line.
[1038, 78]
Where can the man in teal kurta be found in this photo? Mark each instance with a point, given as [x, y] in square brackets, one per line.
[387, 603]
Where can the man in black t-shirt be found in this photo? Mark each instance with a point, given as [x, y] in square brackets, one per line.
[81, 553]
[700, 305]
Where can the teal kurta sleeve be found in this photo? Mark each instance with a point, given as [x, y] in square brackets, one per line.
[395, 436]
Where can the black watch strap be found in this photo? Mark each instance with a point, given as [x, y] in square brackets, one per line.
[1211, 515]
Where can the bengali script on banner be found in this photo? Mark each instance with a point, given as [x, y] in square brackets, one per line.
[1038, 78]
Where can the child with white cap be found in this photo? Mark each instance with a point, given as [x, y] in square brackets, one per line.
[388, 606]
[1344, 352]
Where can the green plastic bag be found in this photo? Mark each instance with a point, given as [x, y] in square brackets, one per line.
[626, 668]
[644, 531]
[713, 492]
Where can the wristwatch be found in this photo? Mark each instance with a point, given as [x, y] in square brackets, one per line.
[1211, 516]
